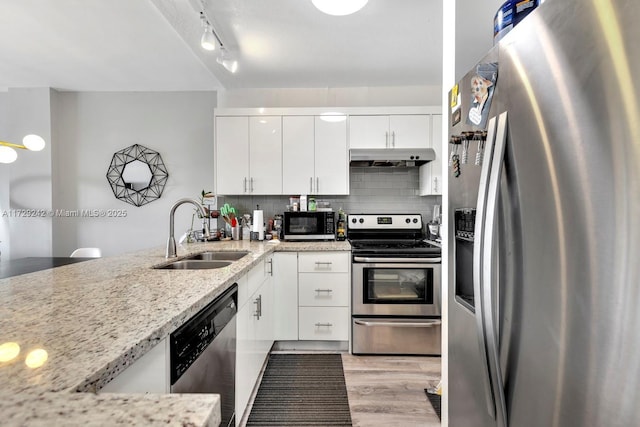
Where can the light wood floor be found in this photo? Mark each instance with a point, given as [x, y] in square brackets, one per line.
[388, 391]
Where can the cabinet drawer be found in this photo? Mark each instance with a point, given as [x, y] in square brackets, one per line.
[324, 323]
[257, 275]
[324, 262]
[324, 289]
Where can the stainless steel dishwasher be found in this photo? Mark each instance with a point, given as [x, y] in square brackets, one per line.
[203, 353]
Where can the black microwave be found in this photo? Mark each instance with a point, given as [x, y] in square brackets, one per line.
[314, 225]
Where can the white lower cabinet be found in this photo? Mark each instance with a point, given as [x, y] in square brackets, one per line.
[311, 295]
[324, 286]
[323, 289]
[324, 323]
[149, 374]
[254, 330]
[285, 296]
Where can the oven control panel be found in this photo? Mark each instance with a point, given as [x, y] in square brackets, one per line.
[384, 221]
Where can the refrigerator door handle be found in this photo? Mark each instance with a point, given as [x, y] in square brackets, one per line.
[490, 279]
[478, 253]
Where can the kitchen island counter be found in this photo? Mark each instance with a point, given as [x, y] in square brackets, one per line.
[95, 318]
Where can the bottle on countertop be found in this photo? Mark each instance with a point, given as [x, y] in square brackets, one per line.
[340, 228]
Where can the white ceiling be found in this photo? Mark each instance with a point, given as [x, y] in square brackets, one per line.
[147, 45]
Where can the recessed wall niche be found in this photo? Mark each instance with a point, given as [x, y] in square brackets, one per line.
[137, 175]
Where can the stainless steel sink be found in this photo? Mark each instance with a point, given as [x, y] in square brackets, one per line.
[218, 255]
[193, 264]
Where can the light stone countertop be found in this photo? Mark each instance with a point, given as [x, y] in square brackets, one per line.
[95, 318]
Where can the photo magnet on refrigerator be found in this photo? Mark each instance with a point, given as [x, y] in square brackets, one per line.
[482, 87]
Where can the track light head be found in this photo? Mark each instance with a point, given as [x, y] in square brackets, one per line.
[208, 40]
[227, 61]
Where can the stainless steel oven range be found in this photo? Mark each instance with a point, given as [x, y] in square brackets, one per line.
[396, 303]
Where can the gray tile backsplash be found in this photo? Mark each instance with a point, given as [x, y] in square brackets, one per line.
[373, 190]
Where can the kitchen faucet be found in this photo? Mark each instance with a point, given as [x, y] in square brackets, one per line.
[171, 243]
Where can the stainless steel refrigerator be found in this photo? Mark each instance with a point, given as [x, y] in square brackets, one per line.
[544, 278]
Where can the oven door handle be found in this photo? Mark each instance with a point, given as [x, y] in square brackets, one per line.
[404, 260]
[403, 324]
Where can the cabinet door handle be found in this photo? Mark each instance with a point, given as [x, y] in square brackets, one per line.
[327, 264]
[324, 290]
[258, 303]
[393, 139]
[251, 187]
[270, 271]
[310, 184]
[317, 185]
[327, 325]
[435, 184]
[386, 139]
[244, 184]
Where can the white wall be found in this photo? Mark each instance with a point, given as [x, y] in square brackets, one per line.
[448, 80]
[331, 97]
[91, 126]
[474, 32]
[30, 188]
[5, 236]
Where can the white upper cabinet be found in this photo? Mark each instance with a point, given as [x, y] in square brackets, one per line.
[409, 131]
[389, 131]
[265, 155]
[286, 151]
[369, 132]
[232, 155]
[298, 158]
[331, 157]
[315, 156]
[431, 173]
[249, 155]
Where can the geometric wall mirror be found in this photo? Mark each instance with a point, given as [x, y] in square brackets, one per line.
[137, 175]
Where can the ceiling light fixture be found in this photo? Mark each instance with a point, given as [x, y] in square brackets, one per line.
[339, 7]
[30, 142]
[208, 39]
[227, 61]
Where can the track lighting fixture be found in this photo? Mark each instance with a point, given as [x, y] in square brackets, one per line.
[227, 61]
[210, 40]
[30, 142]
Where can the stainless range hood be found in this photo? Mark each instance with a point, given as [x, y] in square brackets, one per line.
[390, 157]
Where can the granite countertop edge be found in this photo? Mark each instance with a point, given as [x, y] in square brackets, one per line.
[30, 398]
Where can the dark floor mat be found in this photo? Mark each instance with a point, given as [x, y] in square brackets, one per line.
[435, 402]
[301, 390]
